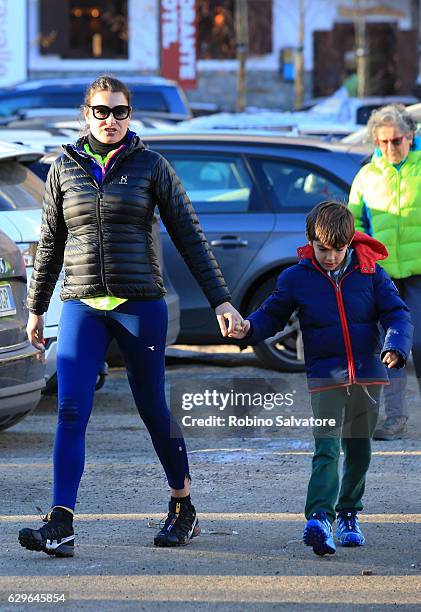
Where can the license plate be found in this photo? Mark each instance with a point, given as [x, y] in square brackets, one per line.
[7, 303]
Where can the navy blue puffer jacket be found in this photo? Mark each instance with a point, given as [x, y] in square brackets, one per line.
[342, 340]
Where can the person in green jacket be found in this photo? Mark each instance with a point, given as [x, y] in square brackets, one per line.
[385, 200]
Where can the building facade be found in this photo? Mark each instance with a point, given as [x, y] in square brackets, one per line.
[125, 37]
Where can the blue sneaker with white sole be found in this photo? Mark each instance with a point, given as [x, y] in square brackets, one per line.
[318, 534]
[348, 531]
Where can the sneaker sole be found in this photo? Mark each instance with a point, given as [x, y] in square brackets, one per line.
[315, 537]
[165, 543]
[30, 542]
[388, 437]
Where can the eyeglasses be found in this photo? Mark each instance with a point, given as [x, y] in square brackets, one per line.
[395, 142]
[119, 112]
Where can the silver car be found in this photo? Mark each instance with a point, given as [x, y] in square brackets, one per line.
[21, 370]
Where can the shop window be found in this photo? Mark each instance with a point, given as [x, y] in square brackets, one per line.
[217, 28]
[84, 29]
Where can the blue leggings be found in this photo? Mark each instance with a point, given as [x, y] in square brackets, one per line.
[140, 328]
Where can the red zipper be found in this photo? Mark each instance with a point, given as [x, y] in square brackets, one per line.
[344, 323]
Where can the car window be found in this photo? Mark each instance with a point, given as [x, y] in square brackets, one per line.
[14, 104]
[214, 184]
[149, 100]
[294, 186]
[364, 112]
[20, 189]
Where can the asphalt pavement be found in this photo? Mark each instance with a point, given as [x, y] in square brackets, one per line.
[249, 490]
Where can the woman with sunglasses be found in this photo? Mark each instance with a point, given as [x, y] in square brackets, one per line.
[97, 216]
[385, 199]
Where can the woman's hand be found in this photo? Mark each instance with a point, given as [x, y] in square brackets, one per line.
[226, 312]
[391, 359]
[35, 331]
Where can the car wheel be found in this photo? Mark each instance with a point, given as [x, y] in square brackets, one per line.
[51, 384]
[284, 351]
[9, 421]
[100, 381]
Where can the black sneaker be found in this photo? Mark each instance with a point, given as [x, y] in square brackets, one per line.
[55, 538]
[180, 527]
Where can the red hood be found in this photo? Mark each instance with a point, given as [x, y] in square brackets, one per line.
[368, 250]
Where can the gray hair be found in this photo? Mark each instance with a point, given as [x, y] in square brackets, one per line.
[392, 114]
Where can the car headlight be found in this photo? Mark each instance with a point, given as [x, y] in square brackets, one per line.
[29, 251]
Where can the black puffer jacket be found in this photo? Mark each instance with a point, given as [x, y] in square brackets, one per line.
[104, 231]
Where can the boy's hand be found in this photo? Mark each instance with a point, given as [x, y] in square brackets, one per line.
[226, 312]
[240, 333]
[391, 359]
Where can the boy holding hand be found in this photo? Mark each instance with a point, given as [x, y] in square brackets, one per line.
[341, 295]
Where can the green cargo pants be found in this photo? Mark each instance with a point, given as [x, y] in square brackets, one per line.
[355, 415]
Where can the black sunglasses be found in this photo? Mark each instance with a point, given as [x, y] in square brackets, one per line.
[120, 112]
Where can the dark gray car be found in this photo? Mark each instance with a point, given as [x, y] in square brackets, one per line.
[252, 193]
[21, 371]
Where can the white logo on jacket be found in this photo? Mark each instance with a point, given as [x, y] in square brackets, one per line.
[123, 180]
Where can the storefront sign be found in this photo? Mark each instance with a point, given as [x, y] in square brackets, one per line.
[179, 41]
[13, 42]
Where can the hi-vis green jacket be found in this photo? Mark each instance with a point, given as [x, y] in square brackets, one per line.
[386, 204]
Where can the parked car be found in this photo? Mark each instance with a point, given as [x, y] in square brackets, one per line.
[48, 135]
[21, 194]
[20, 217]
[285, 123]
[362, 136]
[21, 370]
[334, 117]
[360, 109]
[252, 193]
[152, 97]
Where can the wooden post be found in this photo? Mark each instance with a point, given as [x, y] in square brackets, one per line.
[241, 30]
[299, 60]
[361, 51]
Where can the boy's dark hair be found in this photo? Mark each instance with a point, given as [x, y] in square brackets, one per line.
[331, 223]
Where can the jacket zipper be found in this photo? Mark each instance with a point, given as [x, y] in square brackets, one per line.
[345, 329]
[105, 175]
[115, 162]
[344, 324]
[398, 216]
[101, 246]
[98, 207]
